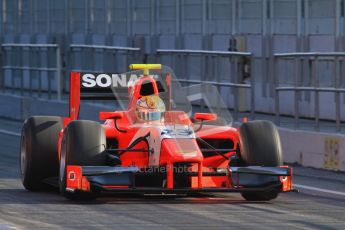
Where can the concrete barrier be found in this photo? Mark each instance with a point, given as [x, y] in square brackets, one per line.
[11, 107]
[20, 108]
[313, 149]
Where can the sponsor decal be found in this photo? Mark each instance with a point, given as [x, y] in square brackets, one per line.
[103, 80]
[187, 153]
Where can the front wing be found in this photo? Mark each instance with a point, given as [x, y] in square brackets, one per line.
[123, 180]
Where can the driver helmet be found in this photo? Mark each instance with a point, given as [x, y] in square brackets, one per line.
[150, 108]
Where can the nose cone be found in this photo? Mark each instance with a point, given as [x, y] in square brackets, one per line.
[180, 150]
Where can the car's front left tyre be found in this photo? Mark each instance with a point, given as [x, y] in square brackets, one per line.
[260, 146]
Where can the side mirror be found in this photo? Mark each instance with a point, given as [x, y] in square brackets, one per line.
[110, 115]
[205, 116]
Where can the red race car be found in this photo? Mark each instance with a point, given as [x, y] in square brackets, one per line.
[157, 144]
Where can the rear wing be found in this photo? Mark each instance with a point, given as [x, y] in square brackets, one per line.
[102, 86]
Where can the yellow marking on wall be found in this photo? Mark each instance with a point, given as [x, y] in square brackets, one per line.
[331, 153]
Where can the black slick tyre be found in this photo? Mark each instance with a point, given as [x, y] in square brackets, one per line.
[260, 146]
[83, 144]
[39, 151]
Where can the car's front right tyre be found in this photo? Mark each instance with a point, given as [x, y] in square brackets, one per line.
[38, 151]
[83, 144]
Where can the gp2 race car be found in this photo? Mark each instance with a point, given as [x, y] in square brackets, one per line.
[157, 145]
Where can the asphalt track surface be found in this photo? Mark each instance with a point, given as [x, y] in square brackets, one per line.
[319, 205]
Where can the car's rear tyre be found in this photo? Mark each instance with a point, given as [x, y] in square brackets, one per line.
[83, 144]
[39, 151]
[260, 146]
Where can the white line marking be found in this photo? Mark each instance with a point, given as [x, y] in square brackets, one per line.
[319, 189]
[10, 133]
